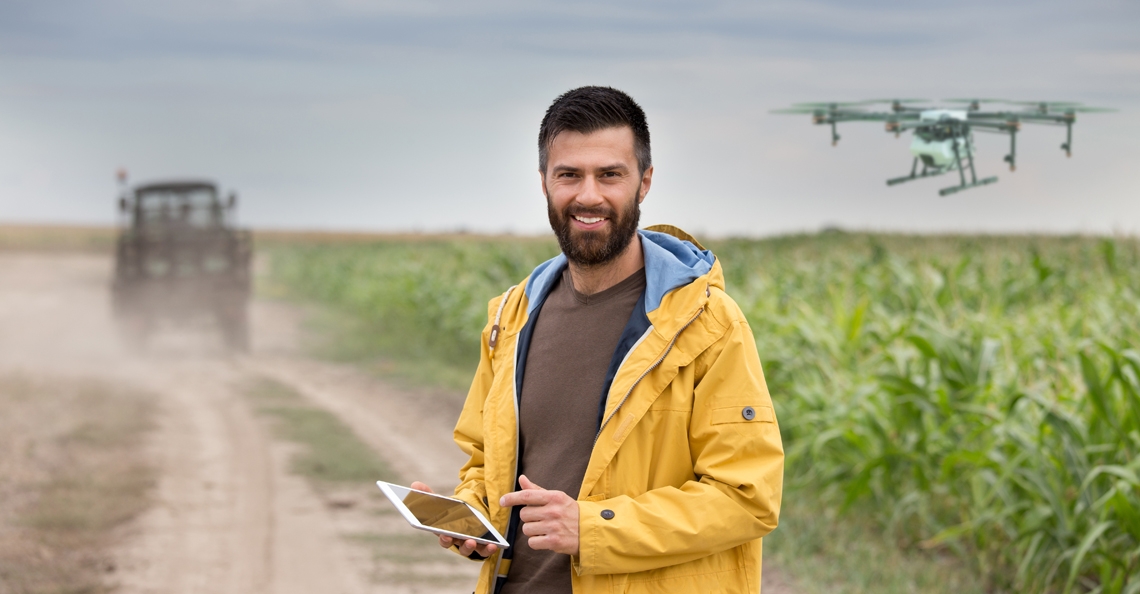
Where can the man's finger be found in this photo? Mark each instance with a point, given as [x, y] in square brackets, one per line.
[538, 542]
[421, 487]
[467, 546]
[537, 513]
[531, 497]
[545, 542]
[540, 528]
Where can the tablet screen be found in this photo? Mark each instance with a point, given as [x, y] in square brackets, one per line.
[441, 513]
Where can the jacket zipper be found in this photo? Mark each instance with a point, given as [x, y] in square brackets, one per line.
[493, 340]
[518, 438]
[642, 376]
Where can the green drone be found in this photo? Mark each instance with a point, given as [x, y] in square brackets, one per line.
[943, 137]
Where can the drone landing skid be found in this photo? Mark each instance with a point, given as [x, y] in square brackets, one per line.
[915, 174]
[980, 182]
[955, 166]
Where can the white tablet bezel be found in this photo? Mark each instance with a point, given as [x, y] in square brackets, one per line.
[411, 518]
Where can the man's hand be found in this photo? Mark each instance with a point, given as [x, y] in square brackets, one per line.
[550, 518]
[465, 547]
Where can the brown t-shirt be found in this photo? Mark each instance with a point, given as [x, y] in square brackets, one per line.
[570, 351]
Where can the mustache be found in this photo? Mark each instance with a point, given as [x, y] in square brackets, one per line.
[578, 211]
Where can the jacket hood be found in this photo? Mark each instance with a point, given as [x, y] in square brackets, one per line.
[673, 259]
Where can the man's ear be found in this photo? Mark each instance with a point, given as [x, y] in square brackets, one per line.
[646, 181]
[542, 181]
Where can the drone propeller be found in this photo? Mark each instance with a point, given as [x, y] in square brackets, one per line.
[1047, 103]
[1085, 109]
[975, 104]
[829, 104]
[897, 105]
[869, 101]
[818, 115]
[1045, 107]
[796, 110]
[977, 100]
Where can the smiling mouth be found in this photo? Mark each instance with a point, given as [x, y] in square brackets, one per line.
[588, 220]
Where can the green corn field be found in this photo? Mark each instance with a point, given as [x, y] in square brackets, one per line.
[976, 396]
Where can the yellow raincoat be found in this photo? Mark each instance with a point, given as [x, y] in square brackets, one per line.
[686, 473]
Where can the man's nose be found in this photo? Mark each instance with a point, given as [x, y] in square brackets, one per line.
[591, 194]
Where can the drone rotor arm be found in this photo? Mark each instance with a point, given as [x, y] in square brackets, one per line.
[1002, 125]
[914, 124]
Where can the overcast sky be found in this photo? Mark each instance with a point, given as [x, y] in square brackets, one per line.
[422, 115]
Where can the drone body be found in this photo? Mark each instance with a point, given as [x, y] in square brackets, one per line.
[935, 151]
[943, 138]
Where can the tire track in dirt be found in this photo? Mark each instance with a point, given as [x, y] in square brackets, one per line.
[212, 520]
[410, 429]
[227, 515]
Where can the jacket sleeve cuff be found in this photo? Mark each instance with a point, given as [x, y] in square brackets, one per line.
[476, 498]
[592, 524]
[470, 496]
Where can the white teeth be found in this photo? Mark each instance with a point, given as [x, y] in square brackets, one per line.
[589, 220]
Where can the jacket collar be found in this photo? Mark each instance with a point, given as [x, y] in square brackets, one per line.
[672, 259]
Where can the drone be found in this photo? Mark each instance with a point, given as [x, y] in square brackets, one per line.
[943, 137]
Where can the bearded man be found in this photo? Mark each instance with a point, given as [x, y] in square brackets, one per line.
[619, 431]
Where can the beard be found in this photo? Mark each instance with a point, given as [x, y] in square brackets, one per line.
[594, 248]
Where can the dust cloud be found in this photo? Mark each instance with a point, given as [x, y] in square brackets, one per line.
[225, 512]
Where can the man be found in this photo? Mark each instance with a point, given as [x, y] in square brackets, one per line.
[619, 429]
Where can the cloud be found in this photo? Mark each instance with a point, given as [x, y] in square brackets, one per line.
[586, 30]
[422, 114]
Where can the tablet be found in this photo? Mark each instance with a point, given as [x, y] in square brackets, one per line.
[442, 515]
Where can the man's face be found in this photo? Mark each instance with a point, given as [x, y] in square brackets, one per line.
[593, 192]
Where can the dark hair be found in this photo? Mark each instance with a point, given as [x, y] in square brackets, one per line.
[589, 109]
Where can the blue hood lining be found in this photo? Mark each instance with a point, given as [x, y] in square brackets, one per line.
[669, 263]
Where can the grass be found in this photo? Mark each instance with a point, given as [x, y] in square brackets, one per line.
[336, 336]
[822, 551]
[57, 238]
[73, 476]
[330, 452]
[419, 305]
[342, 468]
[977, 395]
[956, 405]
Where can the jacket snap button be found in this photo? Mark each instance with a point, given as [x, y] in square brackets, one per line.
[749, 413]
[607, 514]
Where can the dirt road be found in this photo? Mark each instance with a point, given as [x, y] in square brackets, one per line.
[227, 513]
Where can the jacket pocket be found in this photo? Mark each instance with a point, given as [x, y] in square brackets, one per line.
[707, 583]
